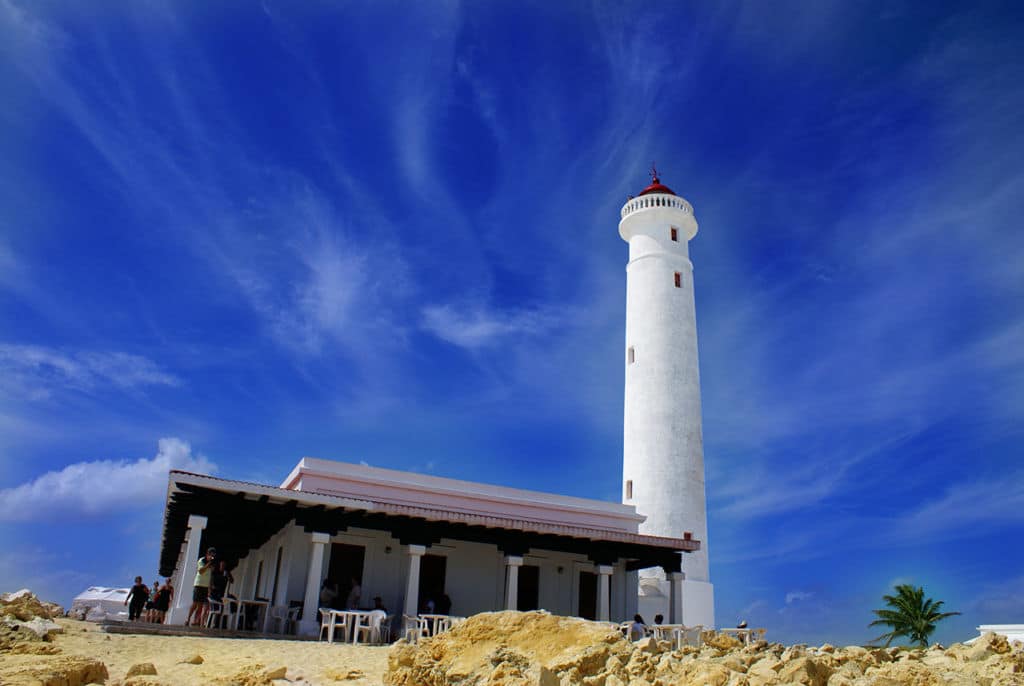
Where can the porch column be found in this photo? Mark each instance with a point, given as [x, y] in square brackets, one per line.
[242, 572]
[512, 564]
[310, 623]
[282, 579]
[675, 597]
[604, 573]
[183, 593]
[412, 582]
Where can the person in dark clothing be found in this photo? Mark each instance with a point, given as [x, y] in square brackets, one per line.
[138, 596]
[163, 601]
[444, 605]
[219, 582]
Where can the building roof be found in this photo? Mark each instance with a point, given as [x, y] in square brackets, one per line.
[243, 515]
[399, 488]
[656, 187]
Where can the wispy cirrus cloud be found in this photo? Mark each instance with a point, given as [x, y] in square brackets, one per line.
[38, 368]
[475, 327]
[102, 486]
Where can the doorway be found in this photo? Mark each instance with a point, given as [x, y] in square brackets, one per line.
[432, 577]
[346, 565]
[587, 595]
[528, 594]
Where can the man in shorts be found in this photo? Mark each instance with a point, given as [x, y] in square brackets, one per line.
[201, 588]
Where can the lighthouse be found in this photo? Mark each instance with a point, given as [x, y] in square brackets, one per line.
[663, 452]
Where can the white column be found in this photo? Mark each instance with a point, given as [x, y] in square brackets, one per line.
[675, 597]
[412, 582]
[604, 573]
[310, 623]
[282, 579]
[179, 570]
[242, 572]
[512, 564]
[183, 593]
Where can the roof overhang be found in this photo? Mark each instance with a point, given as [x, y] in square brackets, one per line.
[243, 515]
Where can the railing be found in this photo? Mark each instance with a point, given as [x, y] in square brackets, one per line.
[656, 200]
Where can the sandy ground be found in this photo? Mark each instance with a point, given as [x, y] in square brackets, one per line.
[312, 662]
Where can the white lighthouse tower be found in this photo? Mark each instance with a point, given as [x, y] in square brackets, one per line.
[663, 458]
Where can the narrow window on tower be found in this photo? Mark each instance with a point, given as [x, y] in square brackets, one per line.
[631, 355]
[629, 489]
[679, 280]
[675, 234]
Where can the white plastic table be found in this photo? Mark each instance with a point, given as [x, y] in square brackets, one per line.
[262, 609]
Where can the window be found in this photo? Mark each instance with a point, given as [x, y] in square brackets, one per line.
[631, 355]
[629, 489]
[679, 280]
[675, 234]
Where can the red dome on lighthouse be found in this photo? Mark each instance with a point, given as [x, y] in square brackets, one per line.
[656, 185]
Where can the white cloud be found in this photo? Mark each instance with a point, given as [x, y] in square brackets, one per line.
[797, 596]
[35, 368]
[90, 488]
[476, 327]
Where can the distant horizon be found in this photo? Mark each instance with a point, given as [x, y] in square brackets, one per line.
[234, 235]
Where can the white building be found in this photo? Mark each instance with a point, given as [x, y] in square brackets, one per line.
[406, 537]
[663, 451]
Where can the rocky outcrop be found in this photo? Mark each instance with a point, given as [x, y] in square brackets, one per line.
[535, 648]
[24, 605]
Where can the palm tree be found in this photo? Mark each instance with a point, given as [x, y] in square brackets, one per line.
[909, 614]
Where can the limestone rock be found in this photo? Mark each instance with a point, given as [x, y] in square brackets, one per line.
[536, 649]
[24, 605]
[723, 641]
[140, 669]
[66, 671]
[647, 645]
[711, 674]
[43, 628]
[194, 660]
[988, 645]
[805, 670]
[254, 675]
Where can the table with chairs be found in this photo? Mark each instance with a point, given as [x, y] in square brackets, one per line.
[426, 625]
[355, 626]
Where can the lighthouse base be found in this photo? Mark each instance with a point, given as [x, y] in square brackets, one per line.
[698, 601]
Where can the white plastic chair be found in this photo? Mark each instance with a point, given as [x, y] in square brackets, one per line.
[442, 625]
[283, 618]
[368, 626]
[415, 628]
[327, 621]
[214, 614]
[385, 630]
[691, 635]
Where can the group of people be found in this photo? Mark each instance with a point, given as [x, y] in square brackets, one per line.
[638, 629]
[211, 584]
[330, 596]
[149, 605]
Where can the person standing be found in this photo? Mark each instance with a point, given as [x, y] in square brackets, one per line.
[138, 595]
[354, 594]
[150, 607]
[201, 588]
[163, 601]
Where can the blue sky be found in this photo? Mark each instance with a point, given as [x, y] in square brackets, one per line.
[234, 234]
